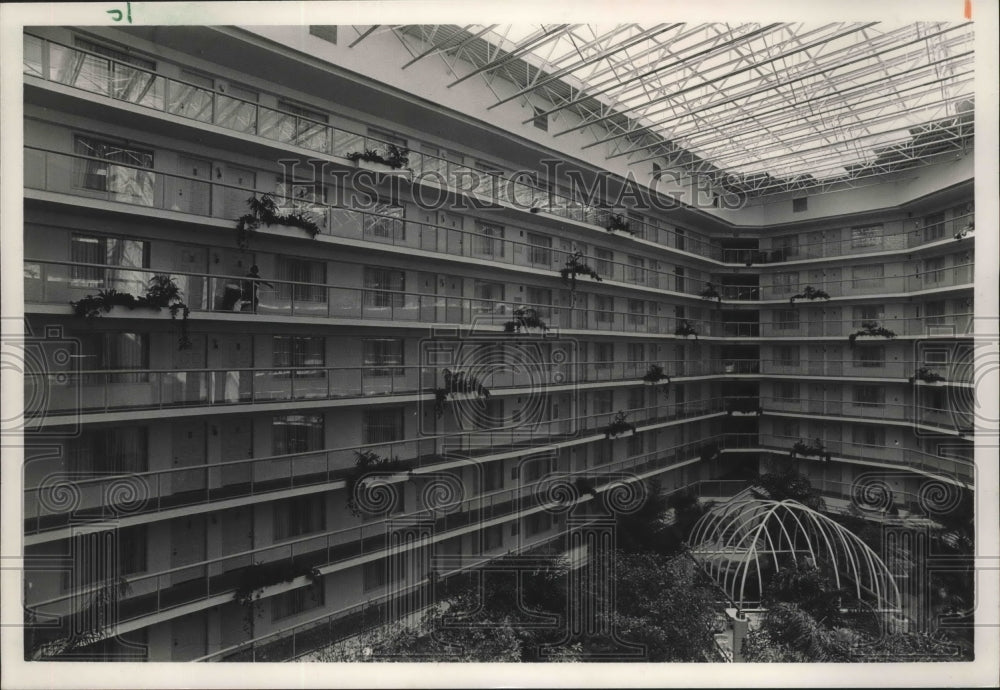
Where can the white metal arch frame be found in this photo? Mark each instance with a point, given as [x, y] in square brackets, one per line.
[734, 540]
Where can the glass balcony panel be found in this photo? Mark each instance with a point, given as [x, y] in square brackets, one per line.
[276, 125]
[82, 70]
[235, 114]
[33, 56]
[187, 100]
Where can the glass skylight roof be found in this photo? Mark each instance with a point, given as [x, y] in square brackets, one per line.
[764, 108]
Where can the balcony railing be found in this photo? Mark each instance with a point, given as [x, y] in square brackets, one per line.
[131, 184]
[142, 389]
[842, 244]
[911, 282]
[955, 467]
[55, 62]
[741, 293]
[203, 484]
[936, 326]
[59, 282]
[174, 587]
[952, 419]
[957, 372]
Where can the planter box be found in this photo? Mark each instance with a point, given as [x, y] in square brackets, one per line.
[622, 434]
[381, 168]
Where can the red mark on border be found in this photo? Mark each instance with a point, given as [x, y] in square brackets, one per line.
[968, 9]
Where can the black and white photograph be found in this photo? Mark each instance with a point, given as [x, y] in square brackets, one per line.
[576, 344]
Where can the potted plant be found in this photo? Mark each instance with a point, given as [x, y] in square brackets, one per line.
[685, 329]
[619, 426]
[576, 266]
[525, 318]
[710, 292]
[809, 293]
[395, 158]
[655, 375]
[162, 293]
[926, 375]
[368, 462]
[619, 223]
[461, 382]
[872, 329]
[815, 448]
[264, 211]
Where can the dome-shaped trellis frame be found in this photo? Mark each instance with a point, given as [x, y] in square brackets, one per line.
[736, 542]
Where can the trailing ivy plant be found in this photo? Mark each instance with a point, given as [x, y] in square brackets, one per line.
[81, 627]
[396, 157]
[461, 382]
[926, 375]
[162, 293]
[710, 292]
[367, 462]
[684, 329]
[809, 293]
[575, 265]
[264, 210]
[525, 318]
[870, 328]
[619, 425]
[617, 221]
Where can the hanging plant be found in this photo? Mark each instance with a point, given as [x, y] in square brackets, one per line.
[926, 375]
[619, 425]
[576, 266]
[367, 462]
[870, 328]
[710, 292]
[966, 229]
[162, 293]
[684, 329]
[809, 293]
[525, 318]
[396, 157]
[618, 222]
[264, 210]
[461, 382]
